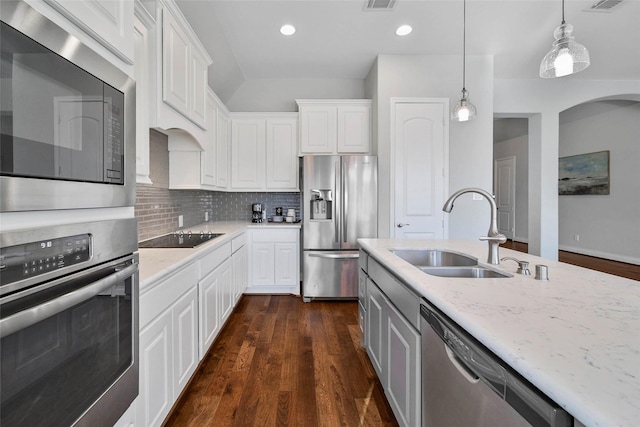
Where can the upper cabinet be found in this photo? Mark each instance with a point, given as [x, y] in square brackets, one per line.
[264, 152]
[332, 126]
[184, 68]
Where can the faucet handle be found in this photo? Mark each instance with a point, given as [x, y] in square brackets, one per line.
[501, 238]
[523, 266]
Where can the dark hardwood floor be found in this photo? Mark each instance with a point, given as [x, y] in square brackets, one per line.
[630, 271]
[281, 362]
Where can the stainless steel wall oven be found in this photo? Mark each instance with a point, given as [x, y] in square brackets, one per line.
[67, 119]
[68, 324]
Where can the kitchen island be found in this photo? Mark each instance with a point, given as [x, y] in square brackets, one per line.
[575, 337]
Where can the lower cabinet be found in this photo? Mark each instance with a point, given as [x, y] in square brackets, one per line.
[393, 345]
[274, 259]
[180, 316]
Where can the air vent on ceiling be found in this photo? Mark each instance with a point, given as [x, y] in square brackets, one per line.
[603, 6]
[379, 4]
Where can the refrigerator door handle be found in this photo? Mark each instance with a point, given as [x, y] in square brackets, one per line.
[334, 256]
[344, 204]
[337, 217]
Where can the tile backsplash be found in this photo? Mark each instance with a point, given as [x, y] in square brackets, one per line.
[157, 208]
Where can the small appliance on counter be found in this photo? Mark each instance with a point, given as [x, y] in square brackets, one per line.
[258, 212]
[291, 215]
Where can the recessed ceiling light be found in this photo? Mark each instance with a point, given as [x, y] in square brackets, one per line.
[403, 30]
[287, 29]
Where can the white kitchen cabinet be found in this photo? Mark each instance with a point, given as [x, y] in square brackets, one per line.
[185, 339]
[274, 260]
[208, 160]
[142, 39]
[248, 151]
[184, 69]
[240, 266]
[222, 148]
[263, 152]
[156, 371]
[226, 290]
[109, 22]
[334, 126]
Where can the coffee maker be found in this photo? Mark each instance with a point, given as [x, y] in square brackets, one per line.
[257, 209]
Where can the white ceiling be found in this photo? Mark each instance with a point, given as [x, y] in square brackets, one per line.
[338, 39]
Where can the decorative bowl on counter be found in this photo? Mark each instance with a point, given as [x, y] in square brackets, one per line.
[276, 218]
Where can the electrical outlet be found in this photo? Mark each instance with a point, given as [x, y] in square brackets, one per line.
[477, 196]
[576, 237]
[180, 220]
[206, 216]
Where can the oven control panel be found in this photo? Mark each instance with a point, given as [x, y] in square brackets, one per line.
[33, 259]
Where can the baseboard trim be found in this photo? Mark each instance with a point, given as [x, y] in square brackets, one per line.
[598, 254]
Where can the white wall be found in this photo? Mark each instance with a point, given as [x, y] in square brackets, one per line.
[470, 143]
[260, 95]
[518, 147]
[542, 100]
[607, 226]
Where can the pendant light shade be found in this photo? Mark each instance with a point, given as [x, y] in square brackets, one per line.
[566, 56]
[464, 109]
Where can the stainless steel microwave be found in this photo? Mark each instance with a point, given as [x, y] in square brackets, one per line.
[67, 119]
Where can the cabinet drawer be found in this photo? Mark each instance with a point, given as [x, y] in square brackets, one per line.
[238, 242]
[402, 298]
[164, 294]
[275, 236]
[214, 258]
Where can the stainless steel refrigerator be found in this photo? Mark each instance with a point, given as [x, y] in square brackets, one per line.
[340, 204]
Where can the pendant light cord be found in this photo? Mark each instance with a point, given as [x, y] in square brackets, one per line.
[563, 12]
[464, 43]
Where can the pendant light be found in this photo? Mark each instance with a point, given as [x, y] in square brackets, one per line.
[566, 56]
[464, 109]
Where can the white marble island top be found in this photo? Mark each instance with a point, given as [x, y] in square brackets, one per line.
[575, 337]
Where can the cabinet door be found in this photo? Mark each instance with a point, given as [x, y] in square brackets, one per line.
[362, 304]
[376, 330]
[354, 128]
[262, 264]
[199, 87]
[403, 373]
[225, 272]
[208, 156]
[240, 272]
[222, 150]
[156, 372]
[142, 44]
[209, 314]
[248, 154]
[110, 22]
[176, 61]
[282, 159]
[185, 339]
[286, 271]
[318, 129]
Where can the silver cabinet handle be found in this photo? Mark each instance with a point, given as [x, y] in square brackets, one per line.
[400, 224]
[26, 318]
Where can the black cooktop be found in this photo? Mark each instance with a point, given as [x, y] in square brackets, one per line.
[175, 240]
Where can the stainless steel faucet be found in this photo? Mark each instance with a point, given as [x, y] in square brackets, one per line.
[493, 237]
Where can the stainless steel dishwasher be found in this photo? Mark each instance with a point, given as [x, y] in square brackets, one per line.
[464, 384]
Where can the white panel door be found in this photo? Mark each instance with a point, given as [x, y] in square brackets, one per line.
[282, 159]
[286, 264]
[505, 190]
[419, 137]
[248, 150]
[185, 339]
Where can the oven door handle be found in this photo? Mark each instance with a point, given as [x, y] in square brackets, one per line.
[26, 318]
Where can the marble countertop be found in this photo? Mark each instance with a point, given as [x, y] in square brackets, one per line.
[575, 337]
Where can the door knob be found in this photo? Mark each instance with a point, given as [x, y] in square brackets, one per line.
[400, 225]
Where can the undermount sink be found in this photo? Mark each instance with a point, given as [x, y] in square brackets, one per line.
[475, 272]
[443, 263]
[434, 258]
